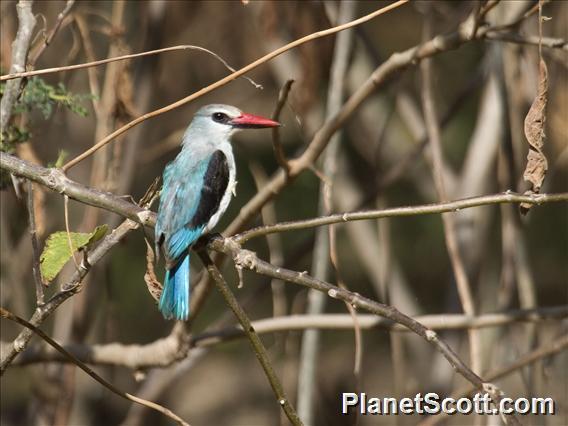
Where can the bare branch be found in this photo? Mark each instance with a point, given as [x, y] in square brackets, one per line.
[60, 17]
[72, 287]
[230, 78]
[20, 48]
[255, 341]
[249, 260]
[35, 246]
[164, 352]
[450, 206]
[55, 180]
[511, 37]
[277, 145]
[156, 407]
[542, 352]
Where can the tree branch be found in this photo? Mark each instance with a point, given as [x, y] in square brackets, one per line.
[55, 180]
[163, 352]
[20, 48]
[246, 259]
[229, 78]
[156, 407]
[450, 206]
[255, 341]
[72, 287]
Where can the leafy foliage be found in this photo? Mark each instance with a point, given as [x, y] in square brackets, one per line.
[43, 97]
[57, 249]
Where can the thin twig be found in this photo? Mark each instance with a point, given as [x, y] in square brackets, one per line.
[448, 221]
[60, 17]
[450, 206]
[121, 58]
[255, 341]
[228, 79]
[544, 351]
[156, 407]
[511, 37]
[276, 144]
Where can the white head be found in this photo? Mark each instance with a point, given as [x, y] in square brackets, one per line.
[217, 123]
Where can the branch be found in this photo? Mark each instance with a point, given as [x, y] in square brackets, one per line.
[35, 246]
[248, 260]
[230, 78]
[20, 48]
[156, 407]
[276, 144]
[544, 351]
[56, 180]
[120, 58]
[60, 17]
[394, 65]
[438, 166]
[511, 37]
[72, 287]
[164, 352]
[255, 341]
[449, 206]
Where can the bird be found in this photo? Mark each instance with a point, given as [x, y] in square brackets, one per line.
[197, 188]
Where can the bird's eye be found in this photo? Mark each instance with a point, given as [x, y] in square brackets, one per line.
[220, 117]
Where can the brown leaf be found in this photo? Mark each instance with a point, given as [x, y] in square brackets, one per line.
[537, 165]
[154, 286]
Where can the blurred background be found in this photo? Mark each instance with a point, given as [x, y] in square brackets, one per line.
[482, 91]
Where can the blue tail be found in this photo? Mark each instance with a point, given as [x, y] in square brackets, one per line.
[174, 302]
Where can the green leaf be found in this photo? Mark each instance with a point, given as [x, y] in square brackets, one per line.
[57, 252]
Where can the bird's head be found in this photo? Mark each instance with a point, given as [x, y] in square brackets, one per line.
[219, 122]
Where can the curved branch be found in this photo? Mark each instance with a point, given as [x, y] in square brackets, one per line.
[230, 78]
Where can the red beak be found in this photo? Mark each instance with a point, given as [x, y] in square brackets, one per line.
[249, 121]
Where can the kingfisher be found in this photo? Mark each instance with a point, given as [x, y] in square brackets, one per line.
[197, 188]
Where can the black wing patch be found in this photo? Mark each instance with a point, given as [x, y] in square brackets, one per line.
[215, 183]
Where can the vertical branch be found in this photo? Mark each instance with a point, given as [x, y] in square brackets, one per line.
[277, 145]
[35, 246]
[255, 341]
[20, 47]
[60, 17]
[321, 261]
[433, 131]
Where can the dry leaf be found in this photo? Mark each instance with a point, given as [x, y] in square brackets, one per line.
[537, 165]
[154, 286]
